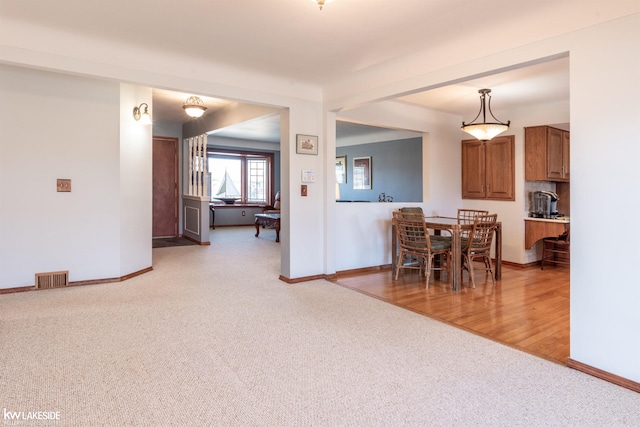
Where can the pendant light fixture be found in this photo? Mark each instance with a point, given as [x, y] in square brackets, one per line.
[194, 106]
[321, 2]
[484, 130]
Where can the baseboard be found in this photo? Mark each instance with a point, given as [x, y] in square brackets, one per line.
[80, 282]
[604, 375]
[302, 279]
[334, 276]
[196, 241]
[18, 289]
[363, 270]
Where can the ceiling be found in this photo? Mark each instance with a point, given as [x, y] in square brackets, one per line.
[533, 85]
[296, 41]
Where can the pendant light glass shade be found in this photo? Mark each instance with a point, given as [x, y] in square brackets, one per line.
[484, 131]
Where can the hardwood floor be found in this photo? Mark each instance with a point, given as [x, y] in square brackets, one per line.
[528, 309]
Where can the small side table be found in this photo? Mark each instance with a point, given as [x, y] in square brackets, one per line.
[213, 216]
[268, 220]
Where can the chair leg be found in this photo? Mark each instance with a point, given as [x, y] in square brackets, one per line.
[398, 264]
[428, 269]
[487, 263]
[467, 263]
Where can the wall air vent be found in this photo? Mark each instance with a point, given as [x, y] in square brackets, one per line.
[56, 279]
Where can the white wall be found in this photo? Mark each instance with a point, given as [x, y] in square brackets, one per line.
[57, 126]
[605, 148]
[135, 189]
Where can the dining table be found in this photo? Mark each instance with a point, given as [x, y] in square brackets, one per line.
[456, 228]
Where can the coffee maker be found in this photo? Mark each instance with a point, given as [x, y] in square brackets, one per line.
[544, 205]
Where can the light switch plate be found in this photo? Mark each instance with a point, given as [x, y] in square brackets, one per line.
[64, 186]
[303, 190]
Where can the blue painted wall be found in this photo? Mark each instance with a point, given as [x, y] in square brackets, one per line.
[396, 170]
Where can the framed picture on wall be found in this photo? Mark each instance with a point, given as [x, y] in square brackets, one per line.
[341, 170]
[306, 144]
[362, 173]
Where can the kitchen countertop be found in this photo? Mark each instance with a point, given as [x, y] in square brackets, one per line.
[561, 219]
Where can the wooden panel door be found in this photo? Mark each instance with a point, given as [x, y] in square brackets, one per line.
[554, 154]
[165, 187]
[473, 169]
[500, 174]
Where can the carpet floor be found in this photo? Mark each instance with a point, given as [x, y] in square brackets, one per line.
[211, 337]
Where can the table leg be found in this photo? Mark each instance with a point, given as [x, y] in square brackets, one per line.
[456, 255]
[277, 230]
[394, 249]
[257, 227]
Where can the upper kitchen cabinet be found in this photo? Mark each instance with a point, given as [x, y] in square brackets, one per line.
[546, 152]
[488, 169]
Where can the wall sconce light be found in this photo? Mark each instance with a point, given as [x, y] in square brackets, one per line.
[486, 130]
[194, 106]
[142, 115]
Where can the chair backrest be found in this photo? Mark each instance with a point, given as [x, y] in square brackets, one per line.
[417, 210]
[467, 216]
[412, 232]
[481, 235]
[276, 204]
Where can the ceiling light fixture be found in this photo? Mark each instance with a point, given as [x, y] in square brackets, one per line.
[142, 115]
[321, 2]
[194, 106]
[485, 131]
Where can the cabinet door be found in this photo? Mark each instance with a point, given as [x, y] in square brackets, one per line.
[554, 154]
[566, 136]
[473, 169]
[500, 174]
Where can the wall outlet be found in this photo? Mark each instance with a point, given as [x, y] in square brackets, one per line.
[243, 213]
[63, 186]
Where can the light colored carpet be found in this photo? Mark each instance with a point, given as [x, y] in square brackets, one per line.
[211, 337]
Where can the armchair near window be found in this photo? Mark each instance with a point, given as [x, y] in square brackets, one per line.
[275, 208]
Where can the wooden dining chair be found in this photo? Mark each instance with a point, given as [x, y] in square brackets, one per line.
[415, 241]
[478, 245]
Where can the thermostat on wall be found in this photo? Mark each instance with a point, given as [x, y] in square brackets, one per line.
[308, 175]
